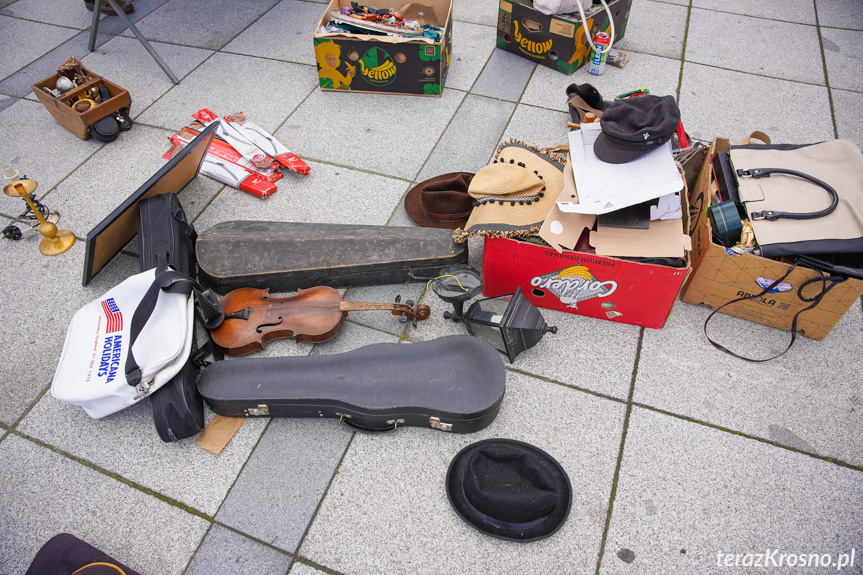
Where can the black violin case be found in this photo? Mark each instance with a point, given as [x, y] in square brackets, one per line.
[454, 383]
[285, 256]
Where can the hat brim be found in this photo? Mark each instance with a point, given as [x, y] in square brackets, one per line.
[513, 532]
[414, 204]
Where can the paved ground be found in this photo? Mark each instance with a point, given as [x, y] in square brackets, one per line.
[678, 455]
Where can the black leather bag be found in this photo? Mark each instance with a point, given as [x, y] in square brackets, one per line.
[165, 237]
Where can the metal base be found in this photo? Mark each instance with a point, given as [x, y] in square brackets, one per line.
[58, 244]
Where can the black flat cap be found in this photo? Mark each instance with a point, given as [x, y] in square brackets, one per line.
[509, 489]
[634, 126]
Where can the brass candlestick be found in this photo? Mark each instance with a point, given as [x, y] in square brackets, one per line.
[55, 241]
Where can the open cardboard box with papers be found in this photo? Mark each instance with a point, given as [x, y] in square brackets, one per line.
[721, 275]
[370, 62]
[586, 271]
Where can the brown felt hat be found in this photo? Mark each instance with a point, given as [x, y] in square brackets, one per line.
[441, 202]
[513, 195]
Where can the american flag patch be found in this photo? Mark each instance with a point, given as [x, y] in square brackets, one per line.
[114, 315]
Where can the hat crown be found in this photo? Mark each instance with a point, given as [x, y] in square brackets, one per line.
[510, 485]
[502, 179]
[641, 119]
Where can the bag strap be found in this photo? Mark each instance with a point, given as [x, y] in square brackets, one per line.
[170, 281]
[814, 302]
[758, 136]
[771, 215]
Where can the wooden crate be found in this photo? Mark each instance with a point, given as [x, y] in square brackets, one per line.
[79, 122]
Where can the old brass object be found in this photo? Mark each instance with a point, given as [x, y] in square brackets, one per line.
[54, 241]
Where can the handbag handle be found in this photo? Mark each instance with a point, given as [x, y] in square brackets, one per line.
[772, 215]
[170, 281]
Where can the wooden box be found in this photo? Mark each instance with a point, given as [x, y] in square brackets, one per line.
[79, 122]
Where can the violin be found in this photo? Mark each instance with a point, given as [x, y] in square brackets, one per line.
[253, 317]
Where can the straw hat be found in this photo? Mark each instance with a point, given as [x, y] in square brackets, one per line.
[514, 194]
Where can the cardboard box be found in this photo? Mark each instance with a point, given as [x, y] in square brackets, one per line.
[585, 284]
[720, 275]
[392, 64]
[556, 40]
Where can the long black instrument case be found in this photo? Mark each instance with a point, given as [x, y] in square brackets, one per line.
[454, 383]
[285, 256]
[165, 237]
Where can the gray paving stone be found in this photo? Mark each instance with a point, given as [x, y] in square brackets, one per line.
[113, 25]
[42, 299]
[846, 107]
[417, 531]
[284, 33]
[124, 62]
[773, 48]
[6, 101]
[538, 125]
[464, 148]
[30, 39]
[775, 107]
[180, 21]
[278, 88]
[126, 443]
[280, 487]
[373, 142]
[66, 13]
[547, 87]
[225, 552]
[790, 400]
[504, 77]
[477, 11]
[299, 568]
[329, 194]
[655, 28]
[839, 14]
[472, 45]
[602, 360]
[790, 11]
[66, 152]
[842, 51]
[353, 336]
[101, 184]
[687, 493]
[45, 493]
[20, 83]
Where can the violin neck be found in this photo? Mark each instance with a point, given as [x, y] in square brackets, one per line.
[367, 306]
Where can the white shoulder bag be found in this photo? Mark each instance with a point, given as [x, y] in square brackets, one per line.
[128, 343]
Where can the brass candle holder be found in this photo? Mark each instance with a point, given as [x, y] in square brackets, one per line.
[55, 241]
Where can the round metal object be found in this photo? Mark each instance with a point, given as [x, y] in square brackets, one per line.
[29, 187]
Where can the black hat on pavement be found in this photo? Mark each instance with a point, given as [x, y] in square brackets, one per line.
[509, 489]
[635, 126]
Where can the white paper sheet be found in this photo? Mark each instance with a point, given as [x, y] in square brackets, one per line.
[604, 187]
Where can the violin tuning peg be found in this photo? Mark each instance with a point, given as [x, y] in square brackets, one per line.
[403, 319]
[410, 302]
[398, 299]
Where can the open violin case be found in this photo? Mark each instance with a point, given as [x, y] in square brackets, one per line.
[454, 383]
[285, 256]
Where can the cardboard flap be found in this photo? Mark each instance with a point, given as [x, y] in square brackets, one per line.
[663, 239]
[562, 230]
[751, 193]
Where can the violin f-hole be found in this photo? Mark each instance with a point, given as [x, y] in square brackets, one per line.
[260, 328]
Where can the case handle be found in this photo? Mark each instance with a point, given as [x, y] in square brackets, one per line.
[771, 215]
[347, 421]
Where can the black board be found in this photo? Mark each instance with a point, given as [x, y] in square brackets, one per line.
[106, 240]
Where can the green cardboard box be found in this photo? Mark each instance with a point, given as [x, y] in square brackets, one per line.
[556, 40]
[392, 64]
